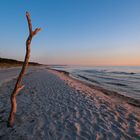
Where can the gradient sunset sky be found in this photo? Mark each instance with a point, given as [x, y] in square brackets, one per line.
[75, 32]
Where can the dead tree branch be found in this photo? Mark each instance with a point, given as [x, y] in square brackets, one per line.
[19, 85]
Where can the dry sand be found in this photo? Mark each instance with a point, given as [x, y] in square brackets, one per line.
[53, 106]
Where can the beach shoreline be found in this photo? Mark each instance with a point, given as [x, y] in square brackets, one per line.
[112, 94]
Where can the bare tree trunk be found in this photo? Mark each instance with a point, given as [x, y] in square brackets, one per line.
[19, 85]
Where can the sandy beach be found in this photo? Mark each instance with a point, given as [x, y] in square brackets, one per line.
[53, 106]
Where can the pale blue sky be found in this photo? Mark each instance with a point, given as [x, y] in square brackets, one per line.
[87, 32]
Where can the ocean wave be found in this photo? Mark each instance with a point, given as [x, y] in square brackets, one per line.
[88, 79]
[124, 73]
[117, 84]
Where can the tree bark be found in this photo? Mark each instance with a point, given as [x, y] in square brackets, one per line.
[19, 85]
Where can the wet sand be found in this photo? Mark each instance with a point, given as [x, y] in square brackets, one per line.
[56, 107]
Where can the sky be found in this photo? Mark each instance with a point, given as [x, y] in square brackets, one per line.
[74, 32]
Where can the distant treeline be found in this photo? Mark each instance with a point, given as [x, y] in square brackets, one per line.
[15, 62]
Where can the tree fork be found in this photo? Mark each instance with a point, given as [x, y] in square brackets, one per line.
[19, 85]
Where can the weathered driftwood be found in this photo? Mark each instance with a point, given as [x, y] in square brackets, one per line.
[19, 85]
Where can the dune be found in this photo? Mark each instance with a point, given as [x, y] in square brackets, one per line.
[53, 106]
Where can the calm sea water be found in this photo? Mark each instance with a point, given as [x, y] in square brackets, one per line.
[122, 79]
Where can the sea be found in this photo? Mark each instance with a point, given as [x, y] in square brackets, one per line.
[124, 80]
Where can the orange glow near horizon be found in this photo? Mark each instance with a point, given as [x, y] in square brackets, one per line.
[122, 55]
[96, 61]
